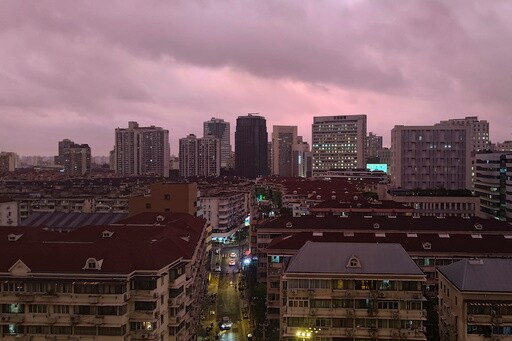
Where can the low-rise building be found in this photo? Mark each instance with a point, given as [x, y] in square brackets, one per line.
[8, 212]
[475, 300]
[143, 279]
[355, 291]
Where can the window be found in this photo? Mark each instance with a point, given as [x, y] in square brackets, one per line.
[148, 206]
[61, 309]
[353, 262]
[145, 305]
[37, 308]
[13, 308]
[81, 330]
[167, 197]
[14, 286]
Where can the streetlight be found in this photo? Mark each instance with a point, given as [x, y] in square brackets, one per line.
[308, 333]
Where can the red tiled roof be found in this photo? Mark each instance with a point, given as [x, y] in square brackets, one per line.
[130, 248]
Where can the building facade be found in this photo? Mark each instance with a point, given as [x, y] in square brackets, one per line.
[199, 156]
[301, 160]
[225, 212]
[366, 291]
[220, 129]
[338, 143]
[251, 143]
[428, 157]
[283, 140]
[493, 184]
[141, 150]
[8, 162]
[475, 300]
[373, 145]
[9, 215]
[87, 289]
[479, 131]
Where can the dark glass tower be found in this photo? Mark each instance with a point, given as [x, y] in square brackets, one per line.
[251, 141]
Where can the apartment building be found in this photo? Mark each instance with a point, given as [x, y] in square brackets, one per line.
[141, 150]
[93, 283]
[355, 291]
[427, 157]
[8, 162]
[493, 184]
[475, 300]
[338, 143]
[284, 139]
[220, 129]
[199, 156]
[178, 197]
[8, 212]
[225, 212]
[479, 131]
[439, 206]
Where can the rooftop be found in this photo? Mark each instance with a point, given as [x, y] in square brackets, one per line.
[353, 258]
[483, 275]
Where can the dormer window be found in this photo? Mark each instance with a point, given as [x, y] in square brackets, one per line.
[160, 218]
[354, 262]
[107, 234]
[93, 264]
[427, 246]
[13, 237]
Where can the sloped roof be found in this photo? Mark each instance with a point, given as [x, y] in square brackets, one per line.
[71, 220]
[328, 257]
[487, 274]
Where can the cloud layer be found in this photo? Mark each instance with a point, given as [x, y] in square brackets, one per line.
[79, 69]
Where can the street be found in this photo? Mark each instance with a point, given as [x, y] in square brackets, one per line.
[228, 303]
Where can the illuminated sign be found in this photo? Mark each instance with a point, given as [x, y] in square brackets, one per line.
[247, 220]
[377, 167]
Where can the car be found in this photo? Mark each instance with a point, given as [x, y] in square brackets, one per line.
[225, 323]
[232, 262]
[232, 255]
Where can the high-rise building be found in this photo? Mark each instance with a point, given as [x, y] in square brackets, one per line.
[301, 155]
[479, 131]
[284, 139]
[76, 158]
[493, 184]
[373, 145]
[220, 129]
[430, 157]
[251, 143]
[338, 143]
[142, 150]
[199, 156]
[8, 161]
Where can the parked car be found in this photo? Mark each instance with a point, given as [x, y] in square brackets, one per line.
[225, 323]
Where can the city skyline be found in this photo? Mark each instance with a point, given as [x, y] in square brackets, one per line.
[415, 63]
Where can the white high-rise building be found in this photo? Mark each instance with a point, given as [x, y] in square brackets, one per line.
[199, 156]
[142, 150]
[430, 157]
[220, 129]
[338, 143]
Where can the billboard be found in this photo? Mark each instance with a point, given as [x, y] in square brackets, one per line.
[377, 167]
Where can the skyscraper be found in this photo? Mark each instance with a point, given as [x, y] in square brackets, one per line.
[199, 156]
[251, 143]
[429, 157]
[220, 129]
[301, 155]
[338, 143]
[142, 150]
[283, 140]
[76, 158]
[373, 145]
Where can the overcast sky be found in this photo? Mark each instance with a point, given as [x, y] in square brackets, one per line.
[79, 69]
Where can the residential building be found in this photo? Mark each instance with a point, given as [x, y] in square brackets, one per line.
[225, 212]
[284, 139]
[199, 156]
[338, 143]
[63, 145]
[178, 197]
[428, 157]
[142, 150]
[301, 159]
[8, 212]
[505, 146]
[86, 288]
[220, 129]
[475, 300]
[373, 145]
[8, 162]
[251, 146]
[479, 131]
[367, 291]
[493, 184]
[77, 159]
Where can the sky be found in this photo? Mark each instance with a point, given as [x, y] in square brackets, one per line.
[79, 69]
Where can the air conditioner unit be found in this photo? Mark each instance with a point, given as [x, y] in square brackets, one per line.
[471, 318]
[348, 294]
[350, 312]
[374, 294]
[395, 333]
[293, 292]
[381, 294]
[5, 318]
[395, 314]
[350, 332]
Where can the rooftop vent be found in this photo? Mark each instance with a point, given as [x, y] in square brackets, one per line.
[412, 235]
[444, 235]
[380, 235]
[376, 226]
[348, 234]
[356, 197]
[476, 236]
[294, 192]
[13, 237]
[318, 234]
[289, 224]
[479, 226]
[333, 197]
[318, 197]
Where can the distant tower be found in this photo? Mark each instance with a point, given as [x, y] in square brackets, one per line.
[76, 158]
[338, 143]
[283, 140]
[142, 150]
[220, 129]
[251, 143]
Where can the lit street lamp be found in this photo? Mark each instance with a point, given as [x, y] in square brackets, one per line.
[307, 334]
